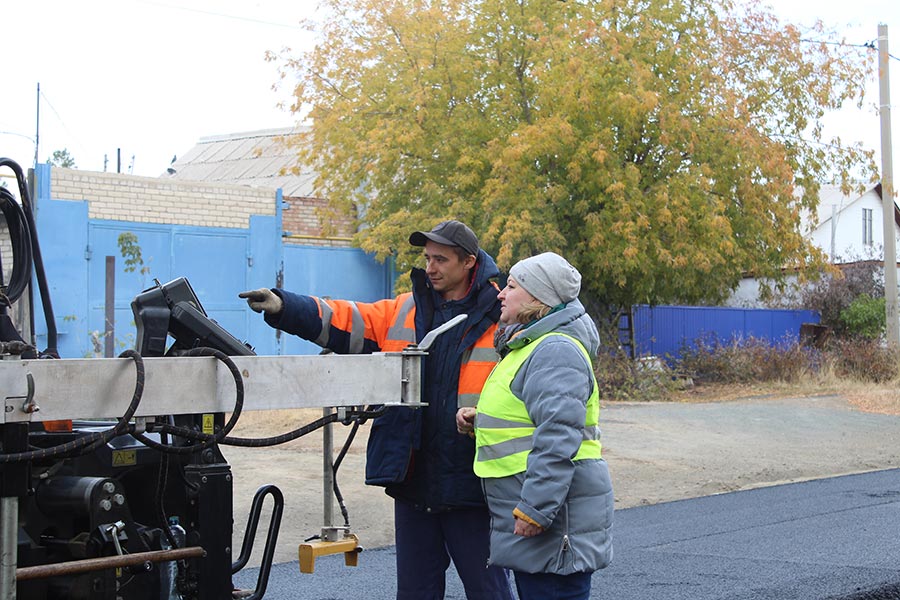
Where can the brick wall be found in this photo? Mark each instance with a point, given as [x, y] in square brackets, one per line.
[301, 224]
[119, 197]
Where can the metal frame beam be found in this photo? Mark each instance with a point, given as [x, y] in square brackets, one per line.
[48, 390]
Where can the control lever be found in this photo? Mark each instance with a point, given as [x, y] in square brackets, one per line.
[429, 338]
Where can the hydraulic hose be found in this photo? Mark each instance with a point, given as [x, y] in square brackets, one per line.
[93, 440]
[352, 416]
[206, 440]
[20, 239]
[40, 273]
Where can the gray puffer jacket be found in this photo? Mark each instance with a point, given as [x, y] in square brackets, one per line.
[571, 500]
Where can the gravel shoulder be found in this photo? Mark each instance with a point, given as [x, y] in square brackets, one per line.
[657, 452]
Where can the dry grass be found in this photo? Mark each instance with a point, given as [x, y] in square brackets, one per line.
[883, 398]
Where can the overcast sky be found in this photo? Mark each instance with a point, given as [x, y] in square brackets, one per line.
[151, 77]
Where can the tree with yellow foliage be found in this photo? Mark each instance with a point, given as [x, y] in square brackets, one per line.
[659, 145]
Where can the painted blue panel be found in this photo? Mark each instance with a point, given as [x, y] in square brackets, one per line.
[341, 273]
[62, 234]
[346, 273]
[214, 261]
[154, 242]
[665, 330]
[265, 266]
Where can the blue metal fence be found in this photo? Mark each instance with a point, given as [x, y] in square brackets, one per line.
[219, 263]
[664, 331]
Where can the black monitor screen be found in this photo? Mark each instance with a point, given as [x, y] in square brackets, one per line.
[173, 309]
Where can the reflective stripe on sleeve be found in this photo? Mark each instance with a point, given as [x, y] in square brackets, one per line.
[399, 330]
[326, 313]
[357, 330]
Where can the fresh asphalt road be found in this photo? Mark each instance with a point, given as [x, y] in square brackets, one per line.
[834, 539]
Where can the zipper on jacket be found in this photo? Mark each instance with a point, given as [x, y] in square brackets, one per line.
[564, 550]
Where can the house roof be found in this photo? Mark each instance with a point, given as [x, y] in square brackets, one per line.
[831, 198]
[257, 158]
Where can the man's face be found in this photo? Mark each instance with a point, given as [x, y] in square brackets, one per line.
[448, 274]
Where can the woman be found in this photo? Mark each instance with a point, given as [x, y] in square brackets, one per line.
[537, 437]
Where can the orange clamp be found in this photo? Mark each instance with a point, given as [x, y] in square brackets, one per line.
[310, 550]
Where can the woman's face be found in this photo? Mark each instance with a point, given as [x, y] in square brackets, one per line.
[512, 298]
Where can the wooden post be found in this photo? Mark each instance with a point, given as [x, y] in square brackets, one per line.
[109, 330]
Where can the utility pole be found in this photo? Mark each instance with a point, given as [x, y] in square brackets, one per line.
[37, 130]
[887, 191]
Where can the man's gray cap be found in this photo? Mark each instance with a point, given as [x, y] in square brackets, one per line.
[548, 277]
[448, 233]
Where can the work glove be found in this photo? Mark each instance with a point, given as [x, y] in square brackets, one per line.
[263, 300]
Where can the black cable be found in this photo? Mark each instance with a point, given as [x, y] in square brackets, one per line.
[334, 470]
[369, 412]
[162, 481]
[246, 442]
[94, 440]
[206, 440]
[20, 240]
[37, 261]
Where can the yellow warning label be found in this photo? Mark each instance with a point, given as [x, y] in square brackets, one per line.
[124, 458]
[208, 424]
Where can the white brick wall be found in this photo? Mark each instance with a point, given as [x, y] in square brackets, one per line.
[118, 197]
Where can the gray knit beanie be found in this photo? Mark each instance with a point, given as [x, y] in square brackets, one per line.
[548, 277]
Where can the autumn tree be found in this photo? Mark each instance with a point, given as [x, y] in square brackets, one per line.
[660, 146]
[62, 158]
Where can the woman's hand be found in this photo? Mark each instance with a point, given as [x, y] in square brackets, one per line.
[465, 421]
[526, 529]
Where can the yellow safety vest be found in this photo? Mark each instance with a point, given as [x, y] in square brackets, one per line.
[503, 429]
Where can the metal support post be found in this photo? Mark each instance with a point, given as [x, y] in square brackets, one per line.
[9, 527]
[327, 474]
[13, 485]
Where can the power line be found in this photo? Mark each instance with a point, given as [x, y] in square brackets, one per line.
[63, 123]
[868, 45]
[218, 14]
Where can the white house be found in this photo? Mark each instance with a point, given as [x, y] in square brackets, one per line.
[851, 228]
[847, 229]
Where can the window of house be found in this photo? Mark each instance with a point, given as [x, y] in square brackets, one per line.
[867, 226]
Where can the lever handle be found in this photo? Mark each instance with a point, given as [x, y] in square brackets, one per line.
[429, 338]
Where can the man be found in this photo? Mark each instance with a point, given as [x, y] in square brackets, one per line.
[417, 455]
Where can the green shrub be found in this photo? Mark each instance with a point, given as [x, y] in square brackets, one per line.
[865, 317]
[833, 293]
